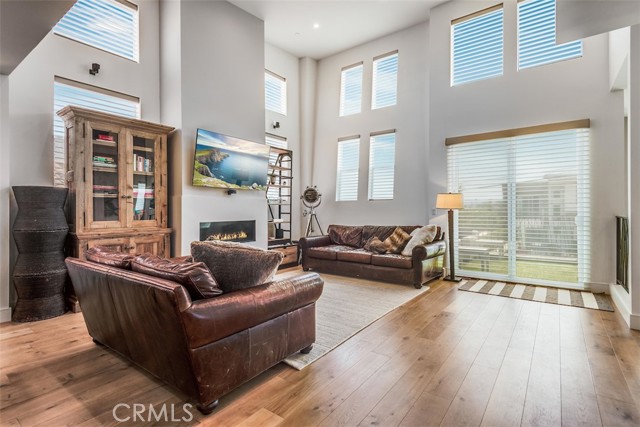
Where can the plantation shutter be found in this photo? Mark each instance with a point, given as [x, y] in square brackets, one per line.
[351, 90]
[277, 142]
[526, 216]
[537, 35]
[382, 165]
[348, 162]
[66, 92]
[275, 92]
[385, 81]
[477, 46]
[105, 24]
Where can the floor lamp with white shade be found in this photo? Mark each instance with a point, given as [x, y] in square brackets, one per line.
[450, 201]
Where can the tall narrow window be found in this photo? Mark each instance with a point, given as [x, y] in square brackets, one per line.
[527, 202]
[348, 161]
[67, 92]
[275, 92]
[537, 35]
[109, 25]
[351, 89]
[382, 158]
[477, 45]
[385, 81]
[276, 142]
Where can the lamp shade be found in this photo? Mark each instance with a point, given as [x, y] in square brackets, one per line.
[449, 201]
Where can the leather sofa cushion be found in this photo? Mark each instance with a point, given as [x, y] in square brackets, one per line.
[327, 252]
[235, 265]
[107, 256]
[375, 245]
[354, 255]
[346, 235]
[194, 276]
[391, 260]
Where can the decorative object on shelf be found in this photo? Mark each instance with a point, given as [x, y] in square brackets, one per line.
[312, 199]
[40, 274]
[450, 201]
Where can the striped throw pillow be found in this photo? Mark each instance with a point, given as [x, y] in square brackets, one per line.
[397, 241]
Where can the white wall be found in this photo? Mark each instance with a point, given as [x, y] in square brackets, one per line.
[568, 90]
[220, 60]
[286, 65]
[634, 174]
[577, 19]
[30, 104]
[408, 117]
[308, 94]
[5, 194]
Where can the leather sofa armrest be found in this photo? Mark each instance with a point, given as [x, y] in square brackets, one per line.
[430, 250]
[307, 243]
[211, 319]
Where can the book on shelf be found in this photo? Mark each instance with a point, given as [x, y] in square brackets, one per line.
[105, 137]
[105, 187]
[104, 159]
[141, 163]
[105, 165]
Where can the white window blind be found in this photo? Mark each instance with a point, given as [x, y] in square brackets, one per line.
[351, 90]
[527, 207]
[105, 24]
[275, 92]
[385, 81]
[348, 162]
[277, 142]
[382, 148]
[537, 35]
[477, 44]
[66, 92]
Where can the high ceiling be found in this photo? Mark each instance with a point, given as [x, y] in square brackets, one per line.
[340, 24]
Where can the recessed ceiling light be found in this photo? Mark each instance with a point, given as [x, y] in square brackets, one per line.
[316, 25]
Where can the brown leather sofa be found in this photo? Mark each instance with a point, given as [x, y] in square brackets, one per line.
[341, 252]
[207, 347]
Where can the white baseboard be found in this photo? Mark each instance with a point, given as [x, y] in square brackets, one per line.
[634, 322]
[598, 288]
[5, 314]
[622, 300]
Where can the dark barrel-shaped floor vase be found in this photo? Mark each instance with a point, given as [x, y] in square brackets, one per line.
[40, 231]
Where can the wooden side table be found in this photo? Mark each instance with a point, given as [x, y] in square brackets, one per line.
[290, 253]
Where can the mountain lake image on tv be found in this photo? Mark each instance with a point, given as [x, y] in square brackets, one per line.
[223, 161]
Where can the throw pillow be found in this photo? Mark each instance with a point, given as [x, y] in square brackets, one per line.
[397, 241]
[376, 245]
[107, 256]
[194, 276]
[235, 265]
[420, 236]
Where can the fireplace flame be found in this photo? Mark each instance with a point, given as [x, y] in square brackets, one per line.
[229, 236]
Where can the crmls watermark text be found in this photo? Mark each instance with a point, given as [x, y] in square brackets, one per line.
[125, 412]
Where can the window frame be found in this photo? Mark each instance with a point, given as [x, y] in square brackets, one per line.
[452, 45]
[343, 83]
[372, 174]
[283, 92]
[135, 8]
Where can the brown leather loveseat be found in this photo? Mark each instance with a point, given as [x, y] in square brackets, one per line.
[342, 252]
[204, 347]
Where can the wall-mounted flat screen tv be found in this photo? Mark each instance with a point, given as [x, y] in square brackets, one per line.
[223, 161]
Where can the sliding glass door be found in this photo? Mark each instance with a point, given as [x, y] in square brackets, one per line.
[526, 214]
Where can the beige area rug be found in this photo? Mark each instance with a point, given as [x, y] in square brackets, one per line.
[538, 293]
[347, 306]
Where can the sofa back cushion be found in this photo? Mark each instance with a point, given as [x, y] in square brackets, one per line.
[237, 266]
[107, 256]
[194, 276]
[349, 235]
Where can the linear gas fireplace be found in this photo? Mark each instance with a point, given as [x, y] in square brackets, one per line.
[231, 231]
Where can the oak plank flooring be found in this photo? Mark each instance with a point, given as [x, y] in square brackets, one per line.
[446, 358]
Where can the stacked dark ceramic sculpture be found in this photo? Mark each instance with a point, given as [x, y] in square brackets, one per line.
[40, 274]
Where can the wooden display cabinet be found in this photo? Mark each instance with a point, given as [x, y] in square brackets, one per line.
[117, 179]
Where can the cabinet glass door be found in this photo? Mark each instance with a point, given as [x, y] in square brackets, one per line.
[105, 207]
[145, 176]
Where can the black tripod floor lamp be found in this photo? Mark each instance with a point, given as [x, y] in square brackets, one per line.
[450, 201]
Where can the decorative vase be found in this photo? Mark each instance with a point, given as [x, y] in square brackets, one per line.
[40, 231]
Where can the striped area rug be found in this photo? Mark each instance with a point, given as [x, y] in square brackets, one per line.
[538, 293]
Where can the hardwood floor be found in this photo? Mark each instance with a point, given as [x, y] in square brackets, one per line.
[447, 358]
